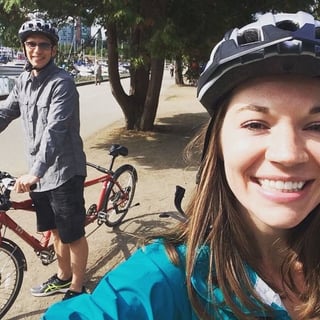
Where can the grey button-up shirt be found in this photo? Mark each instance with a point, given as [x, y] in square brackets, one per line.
[49, 107]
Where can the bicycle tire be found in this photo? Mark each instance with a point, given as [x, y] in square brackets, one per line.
[116, 204]
[11, 275]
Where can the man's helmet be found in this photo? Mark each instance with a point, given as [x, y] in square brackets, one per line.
[38, 26]
[275, 44]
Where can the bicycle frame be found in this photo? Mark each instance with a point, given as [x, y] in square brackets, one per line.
[114, 200]
[5, 220]
[104, 180]
[26, 205]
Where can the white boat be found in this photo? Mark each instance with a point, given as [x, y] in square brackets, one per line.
[84, 70]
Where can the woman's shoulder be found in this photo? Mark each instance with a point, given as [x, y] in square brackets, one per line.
[145, 286]
[157, 254]
[152, 262]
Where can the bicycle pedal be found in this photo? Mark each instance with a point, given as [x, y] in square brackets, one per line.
[92, 210]
[102, 217]
[46, 257]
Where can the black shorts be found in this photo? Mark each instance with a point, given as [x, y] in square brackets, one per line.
[62, 209]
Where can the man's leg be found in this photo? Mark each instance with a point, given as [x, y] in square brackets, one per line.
[72, 260]
[63, 257]
[61, 281]
[79, 257]
[68, 205]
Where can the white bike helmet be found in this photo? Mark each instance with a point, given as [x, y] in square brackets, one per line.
[275, 44]
[39, 26]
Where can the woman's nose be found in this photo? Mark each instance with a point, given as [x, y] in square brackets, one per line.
[287, 148]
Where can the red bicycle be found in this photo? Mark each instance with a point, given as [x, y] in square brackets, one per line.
[115, 199]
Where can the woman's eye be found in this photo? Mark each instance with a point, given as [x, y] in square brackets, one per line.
[314, 126]
[255, 125]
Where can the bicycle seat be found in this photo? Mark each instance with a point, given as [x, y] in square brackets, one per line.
[116, 150]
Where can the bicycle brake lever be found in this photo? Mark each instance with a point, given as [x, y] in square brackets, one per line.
[8, 183]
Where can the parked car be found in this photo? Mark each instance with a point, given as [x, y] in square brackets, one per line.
[4, 59]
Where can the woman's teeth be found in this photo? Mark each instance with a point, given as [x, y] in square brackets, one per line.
[286, 186]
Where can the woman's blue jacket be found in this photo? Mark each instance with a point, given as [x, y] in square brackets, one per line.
[149, 286]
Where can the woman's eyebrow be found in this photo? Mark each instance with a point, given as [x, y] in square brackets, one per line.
[315, 110]
[256, 108]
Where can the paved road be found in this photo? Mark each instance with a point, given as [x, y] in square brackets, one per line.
[98, 109]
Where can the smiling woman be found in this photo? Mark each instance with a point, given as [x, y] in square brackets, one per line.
[248, 248]
[274, 165]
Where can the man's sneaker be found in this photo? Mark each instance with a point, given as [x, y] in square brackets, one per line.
[52, 286]
[71, 294]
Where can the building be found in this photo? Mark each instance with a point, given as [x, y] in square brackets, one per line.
[74, 34]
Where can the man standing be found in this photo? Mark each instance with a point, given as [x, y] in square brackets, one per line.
[47, 100]
[171, 68]
[97, 72]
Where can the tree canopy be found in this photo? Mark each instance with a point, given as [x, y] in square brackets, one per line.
[154, 30]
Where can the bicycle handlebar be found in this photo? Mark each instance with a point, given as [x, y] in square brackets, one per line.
[179, 194]
[6, 185]
[7, 180]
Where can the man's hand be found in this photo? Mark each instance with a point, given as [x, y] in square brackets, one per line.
[24, 183]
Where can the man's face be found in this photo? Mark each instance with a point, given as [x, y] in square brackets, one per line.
[39, 50]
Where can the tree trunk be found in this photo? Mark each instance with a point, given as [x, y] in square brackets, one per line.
[153, 93]
[126, 102]
[178, 71]
[140, 105]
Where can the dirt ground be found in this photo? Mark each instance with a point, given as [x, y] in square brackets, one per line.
[158, 158]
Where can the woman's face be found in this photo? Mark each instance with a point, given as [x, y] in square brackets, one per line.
[270, 141]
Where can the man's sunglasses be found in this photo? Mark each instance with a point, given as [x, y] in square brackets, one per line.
[40, 45]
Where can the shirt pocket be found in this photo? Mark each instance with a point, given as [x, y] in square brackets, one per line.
[39, 122]
[43, 110]
[26, 111]
[36, 123]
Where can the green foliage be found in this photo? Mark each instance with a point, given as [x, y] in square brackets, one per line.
[164, 28]
[146, 32]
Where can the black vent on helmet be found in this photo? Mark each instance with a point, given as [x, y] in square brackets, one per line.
[287, 25]
[248, 36]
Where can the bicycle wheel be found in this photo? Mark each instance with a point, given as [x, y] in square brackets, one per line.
[119, 194]
[11, 276]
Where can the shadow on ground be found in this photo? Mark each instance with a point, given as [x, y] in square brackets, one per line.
[170, 134]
